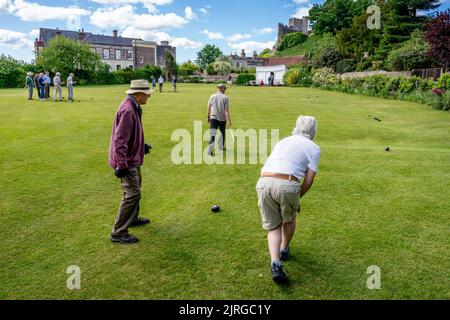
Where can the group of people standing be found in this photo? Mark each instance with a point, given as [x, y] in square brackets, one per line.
[161, 82]
[42, 82]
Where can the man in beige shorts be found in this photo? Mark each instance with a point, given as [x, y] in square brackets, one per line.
[293, 159]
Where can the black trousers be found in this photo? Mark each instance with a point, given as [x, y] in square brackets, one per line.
[221, 125]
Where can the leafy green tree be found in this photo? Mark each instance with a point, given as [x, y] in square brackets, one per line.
[291, 40]
[411, 55]
[207, 56]
[401, 20]
[335, 15]
[187, 69]
[170, 65]
[66, 55]
[358, 39]
[12, 72]
[266, 53]
[222, 67]
[327, 58]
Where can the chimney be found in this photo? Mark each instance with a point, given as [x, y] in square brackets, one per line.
[81, 35]
[243, 53]
[115, 33]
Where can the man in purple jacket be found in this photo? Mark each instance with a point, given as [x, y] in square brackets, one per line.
[126, 156]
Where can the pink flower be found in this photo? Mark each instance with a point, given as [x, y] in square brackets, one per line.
[439, 92]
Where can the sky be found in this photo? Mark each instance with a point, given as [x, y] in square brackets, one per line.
[189, 25]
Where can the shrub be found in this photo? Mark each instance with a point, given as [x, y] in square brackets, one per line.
[441, 101]
[363, 65]
[444, 81]
[376, 85]
[300, 76]
[327, 58]
[345, 65]
[291, 40]
[325, 78]
[412, 54]
[244, 79]
[408, 85]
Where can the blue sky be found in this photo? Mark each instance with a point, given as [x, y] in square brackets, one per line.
[233, 25]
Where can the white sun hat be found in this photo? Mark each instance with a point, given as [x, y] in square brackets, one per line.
[139, 86]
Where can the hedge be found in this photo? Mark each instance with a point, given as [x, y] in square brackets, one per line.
[244, 79]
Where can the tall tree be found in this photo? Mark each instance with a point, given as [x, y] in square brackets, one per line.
[335, 15]
[358, 39]
[207, 56]
[437, 35]
[401, 20]
[66, 56]
[170, 65]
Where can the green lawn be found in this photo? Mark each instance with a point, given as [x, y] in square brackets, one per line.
[58, 200]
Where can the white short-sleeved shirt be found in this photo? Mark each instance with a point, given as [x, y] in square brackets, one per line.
[293, 156]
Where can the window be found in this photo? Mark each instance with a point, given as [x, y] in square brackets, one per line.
[118, 67]
[141, 60]
[118, 55]
[130, 54]
[94, 50]
[105, 53]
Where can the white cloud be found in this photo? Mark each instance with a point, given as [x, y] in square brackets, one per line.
[204, 11]
[212, 35]
[159, 36]
[6, 6]
[238, 37]
[302, 12]
[264, 31]
[125, 16]
[189, 14]
[30, 11]
[14, 39]
[34, 33]
[250, 46]
[300, 1]
[186, 43]
[125, 2]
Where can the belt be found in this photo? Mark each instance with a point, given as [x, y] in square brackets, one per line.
[280, 176]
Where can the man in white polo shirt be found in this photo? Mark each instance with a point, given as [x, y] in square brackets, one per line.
[293, 159]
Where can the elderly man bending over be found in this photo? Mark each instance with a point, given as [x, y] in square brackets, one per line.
[279, 190]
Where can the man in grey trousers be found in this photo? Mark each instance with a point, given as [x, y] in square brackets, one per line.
[126, 156]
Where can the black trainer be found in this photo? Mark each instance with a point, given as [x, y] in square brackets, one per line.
[140, 222]
[284, 254]
[124, 239]
[278, 274]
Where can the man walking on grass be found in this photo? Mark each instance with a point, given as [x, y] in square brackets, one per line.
[293, 159]
[126, 156]
[218, 117]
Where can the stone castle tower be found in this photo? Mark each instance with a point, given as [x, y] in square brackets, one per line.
[295, 25]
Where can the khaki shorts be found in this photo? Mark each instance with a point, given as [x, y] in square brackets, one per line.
[278, 201]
